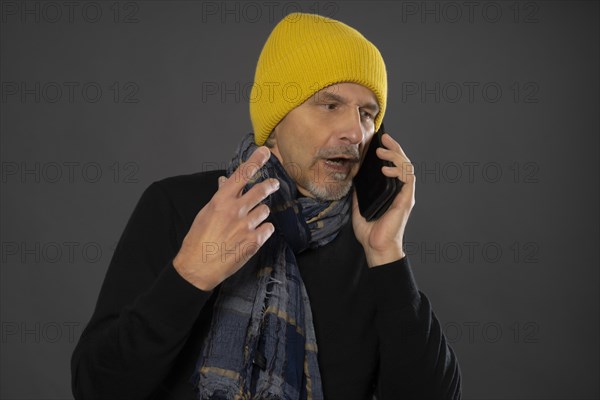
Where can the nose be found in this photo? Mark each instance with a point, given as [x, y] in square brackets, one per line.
[352, 131]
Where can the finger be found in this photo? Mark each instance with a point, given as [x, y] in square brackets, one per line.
[392, 144]
[246, 170]
[261, 235]
[398, 159]
[257, 216]
[388, 141]
[258, 193]
[404, 172]
[407, 192]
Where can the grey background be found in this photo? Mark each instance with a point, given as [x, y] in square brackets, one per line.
[523, 322]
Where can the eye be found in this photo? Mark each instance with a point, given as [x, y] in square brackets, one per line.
[330, 106]
[368, 115]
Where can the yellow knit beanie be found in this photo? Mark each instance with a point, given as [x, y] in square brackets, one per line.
[304, 54]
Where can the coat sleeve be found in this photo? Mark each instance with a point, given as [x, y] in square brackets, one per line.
[415, 361]
[144, 313]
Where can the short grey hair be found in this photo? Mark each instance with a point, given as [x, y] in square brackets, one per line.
[270, 142]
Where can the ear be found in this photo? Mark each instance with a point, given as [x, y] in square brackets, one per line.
[271, 143]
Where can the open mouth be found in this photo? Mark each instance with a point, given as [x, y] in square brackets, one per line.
[339, 163]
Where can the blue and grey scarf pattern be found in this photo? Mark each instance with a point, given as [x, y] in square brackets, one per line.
[261, 343]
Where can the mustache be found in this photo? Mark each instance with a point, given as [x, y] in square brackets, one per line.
[337, 151]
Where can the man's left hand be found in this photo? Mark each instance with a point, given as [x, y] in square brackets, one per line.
[382, 238]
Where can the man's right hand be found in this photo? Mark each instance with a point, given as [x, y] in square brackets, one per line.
[229, 229]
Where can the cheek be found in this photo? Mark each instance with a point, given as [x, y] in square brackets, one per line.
[301, 150]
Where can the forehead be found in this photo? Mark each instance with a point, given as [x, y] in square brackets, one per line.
[347, 92]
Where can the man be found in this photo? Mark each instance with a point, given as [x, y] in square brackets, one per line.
[264, 281]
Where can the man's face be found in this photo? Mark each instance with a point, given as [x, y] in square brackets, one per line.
[321, 143]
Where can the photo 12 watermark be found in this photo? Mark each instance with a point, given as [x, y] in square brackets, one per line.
[469, 92]
[251, 12]
[55, 252]
[484, 332]
[39, 332]
[69, 92]
[477, 172]
[69, 12]
[69, 172]
[471, 252]
[470, 12]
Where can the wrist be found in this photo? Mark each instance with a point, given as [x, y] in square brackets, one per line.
[199, 282]
[375, 259]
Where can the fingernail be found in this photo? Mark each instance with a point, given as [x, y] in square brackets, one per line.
[265, 152]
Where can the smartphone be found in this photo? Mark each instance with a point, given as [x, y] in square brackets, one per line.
[375, 191]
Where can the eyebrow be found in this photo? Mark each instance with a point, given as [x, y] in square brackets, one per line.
[325, 95]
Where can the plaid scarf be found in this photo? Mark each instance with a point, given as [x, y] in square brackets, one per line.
[261, 343]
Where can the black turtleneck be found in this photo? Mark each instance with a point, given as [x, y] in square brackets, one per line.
[375, 330]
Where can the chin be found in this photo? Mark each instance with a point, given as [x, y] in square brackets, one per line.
[331, 192]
